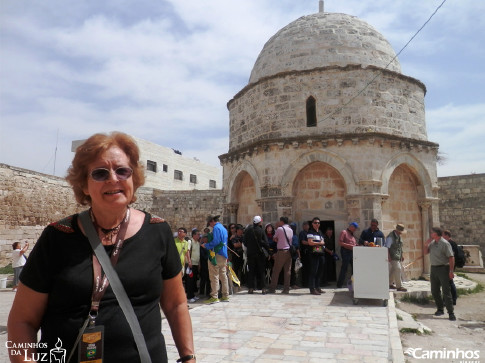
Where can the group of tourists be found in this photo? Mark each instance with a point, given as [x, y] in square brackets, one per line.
[259, 258]
[262, 258]
[205, 256]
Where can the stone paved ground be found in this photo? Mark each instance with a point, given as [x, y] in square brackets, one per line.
[271, 328]
[298, 327]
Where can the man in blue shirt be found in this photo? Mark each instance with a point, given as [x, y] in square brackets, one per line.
[217, 260]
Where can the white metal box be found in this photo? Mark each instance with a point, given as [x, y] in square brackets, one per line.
[371, 273]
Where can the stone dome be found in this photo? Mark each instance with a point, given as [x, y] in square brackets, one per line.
[321, 40]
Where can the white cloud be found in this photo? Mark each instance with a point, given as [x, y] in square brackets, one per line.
[165, 70]
[459, 130]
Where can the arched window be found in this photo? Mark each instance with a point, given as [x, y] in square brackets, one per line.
[311, 112]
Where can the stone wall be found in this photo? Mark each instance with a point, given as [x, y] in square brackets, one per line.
[29, 201]
[275, 107]
[188, 208]
[462, 208]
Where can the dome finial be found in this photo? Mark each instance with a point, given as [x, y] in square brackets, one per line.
[320, 6]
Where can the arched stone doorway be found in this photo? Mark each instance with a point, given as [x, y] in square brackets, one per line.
[245, 197]
[402, 206]
[319, 190]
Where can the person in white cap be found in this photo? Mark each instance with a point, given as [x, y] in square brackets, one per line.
[256, 244]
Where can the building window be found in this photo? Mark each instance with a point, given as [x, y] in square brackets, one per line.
[193, 179]
[178, 175]
[212, 184]
[165, 168]
[311, 112]
[152, 166]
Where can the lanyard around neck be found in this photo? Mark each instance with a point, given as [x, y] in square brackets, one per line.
[101, 282]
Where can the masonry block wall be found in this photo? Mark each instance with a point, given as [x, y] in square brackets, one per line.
[188, 208]
[462, 208]
[29, 201]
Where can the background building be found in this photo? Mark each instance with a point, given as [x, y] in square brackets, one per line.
[168, 169]
[328, 126]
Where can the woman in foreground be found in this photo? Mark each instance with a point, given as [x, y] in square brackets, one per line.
[60, 284]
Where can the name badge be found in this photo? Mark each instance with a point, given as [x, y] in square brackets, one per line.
[91, 345]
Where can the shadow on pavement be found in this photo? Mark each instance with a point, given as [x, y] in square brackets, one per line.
[346, 298]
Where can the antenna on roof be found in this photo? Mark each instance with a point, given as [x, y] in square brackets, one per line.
[55, 152]
[320, 6]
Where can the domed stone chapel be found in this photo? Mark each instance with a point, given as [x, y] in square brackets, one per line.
[328, 126]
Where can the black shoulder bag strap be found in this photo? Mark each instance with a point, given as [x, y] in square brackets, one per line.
[116, 285]
[257, 241]
[287, 240]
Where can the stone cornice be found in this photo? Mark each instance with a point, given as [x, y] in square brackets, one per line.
[324, 141]
[348, 68]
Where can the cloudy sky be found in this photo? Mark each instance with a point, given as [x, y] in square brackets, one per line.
[163, 70]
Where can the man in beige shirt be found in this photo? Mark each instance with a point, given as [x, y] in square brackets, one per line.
[442, 263]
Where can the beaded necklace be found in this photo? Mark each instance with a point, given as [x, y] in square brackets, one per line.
[109, 233]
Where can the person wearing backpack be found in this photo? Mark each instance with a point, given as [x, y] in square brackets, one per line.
[459, 261]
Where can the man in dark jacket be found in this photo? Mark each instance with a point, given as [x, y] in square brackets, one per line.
[255, 240]
[367, 236]
[305, 252]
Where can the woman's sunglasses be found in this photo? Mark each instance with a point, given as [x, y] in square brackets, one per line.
[103, 174]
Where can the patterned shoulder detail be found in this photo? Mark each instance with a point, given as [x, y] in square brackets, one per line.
[64, 225]
[155, 219]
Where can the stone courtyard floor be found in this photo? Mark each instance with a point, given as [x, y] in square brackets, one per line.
[298, 327]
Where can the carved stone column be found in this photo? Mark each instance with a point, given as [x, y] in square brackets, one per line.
[275, 207]
[370, 201]
[232, 211]
[371, 207]
[435, 212]
[353, 207]
[425, 220]
[285, 207]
